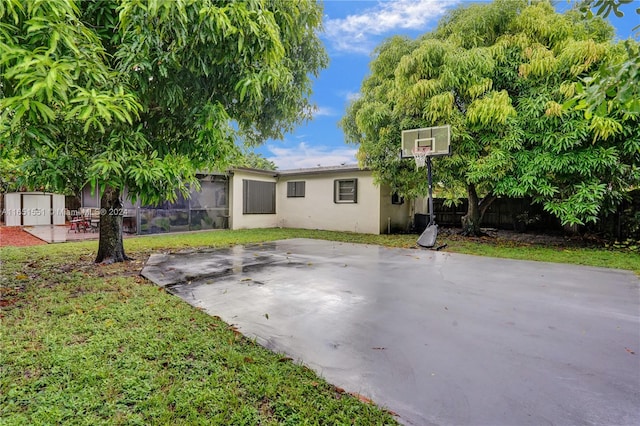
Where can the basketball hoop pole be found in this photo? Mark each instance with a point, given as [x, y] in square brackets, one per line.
[421, 145]
[431, 215]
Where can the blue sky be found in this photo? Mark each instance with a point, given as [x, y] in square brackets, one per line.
[352, 29]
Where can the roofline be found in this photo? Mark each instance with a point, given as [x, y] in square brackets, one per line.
[272, 173]
[302, 171]
[323, 170]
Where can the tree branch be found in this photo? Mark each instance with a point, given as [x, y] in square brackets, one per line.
[484, 204]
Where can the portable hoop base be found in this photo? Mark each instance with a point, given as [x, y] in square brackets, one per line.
[428, 237]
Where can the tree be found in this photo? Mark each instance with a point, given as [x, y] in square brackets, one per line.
[498, 74]
[55, 79]
[156, 92]
[604, 8]
[9, 175]
[257, 161]
[617, 82]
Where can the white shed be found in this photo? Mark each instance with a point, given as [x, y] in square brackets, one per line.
[34, 208]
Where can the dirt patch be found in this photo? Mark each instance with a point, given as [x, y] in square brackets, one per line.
[15, 236]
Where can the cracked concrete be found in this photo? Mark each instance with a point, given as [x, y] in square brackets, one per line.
[438, 338]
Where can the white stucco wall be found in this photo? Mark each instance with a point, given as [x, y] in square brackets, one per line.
[34, 208]
[317, 209]
[239, 220]
[394, 216]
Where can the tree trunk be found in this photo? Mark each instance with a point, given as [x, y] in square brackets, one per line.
[475, 212]
[471, 221]
[110, 247]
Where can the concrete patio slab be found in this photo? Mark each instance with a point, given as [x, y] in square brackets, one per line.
[439, 338]
[62, 233]
[59, 233]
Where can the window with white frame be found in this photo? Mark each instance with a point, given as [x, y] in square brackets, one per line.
[345, 191]
[295, 189]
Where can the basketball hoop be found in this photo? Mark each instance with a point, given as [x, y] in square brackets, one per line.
[420, 156]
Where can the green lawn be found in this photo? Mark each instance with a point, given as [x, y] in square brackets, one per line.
[86, 344]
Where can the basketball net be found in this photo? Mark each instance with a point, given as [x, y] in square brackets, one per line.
[420, 156]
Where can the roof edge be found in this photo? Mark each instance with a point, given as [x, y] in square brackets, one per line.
[303, 171]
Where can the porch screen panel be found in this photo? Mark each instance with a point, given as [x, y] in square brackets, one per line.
[165, 217]
[90, 198]
[258, 197]
[209, 206]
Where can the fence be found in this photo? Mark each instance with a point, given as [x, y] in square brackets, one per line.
[622, 224]
[504, 213]
[521, 214]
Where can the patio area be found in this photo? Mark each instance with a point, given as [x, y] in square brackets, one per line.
[59, 233]
[62, 233]
[21, 236]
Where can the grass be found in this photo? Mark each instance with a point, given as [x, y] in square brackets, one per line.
[86, 344]
[585, 256]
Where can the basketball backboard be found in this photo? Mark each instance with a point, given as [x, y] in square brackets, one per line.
[436, 139]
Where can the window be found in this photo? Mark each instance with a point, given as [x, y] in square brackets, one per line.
[396, 199]
[345, 191]
[258, 197]
[295, 189]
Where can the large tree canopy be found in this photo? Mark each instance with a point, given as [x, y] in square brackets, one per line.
[498, 74]
[143, 95]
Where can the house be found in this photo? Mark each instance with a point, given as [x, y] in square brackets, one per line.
[341, 198]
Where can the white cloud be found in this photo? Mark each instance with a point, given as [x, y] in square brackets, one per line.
[305, 156]
[353, 96]
[317, 111]
[324, 112]
[356, 33]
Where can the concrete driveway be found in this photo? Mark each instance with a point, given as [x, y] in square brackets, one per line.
[438, 338]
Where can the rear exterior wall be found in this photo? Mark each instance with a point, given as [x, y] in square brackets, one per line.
[318, 209]
[394, 218]
[240, 220]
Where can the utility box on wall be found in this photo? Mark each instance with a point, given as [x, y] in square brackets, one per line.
[34, 208]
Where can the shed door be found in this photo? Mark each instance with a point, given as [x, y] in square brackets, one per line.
[36, 209]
